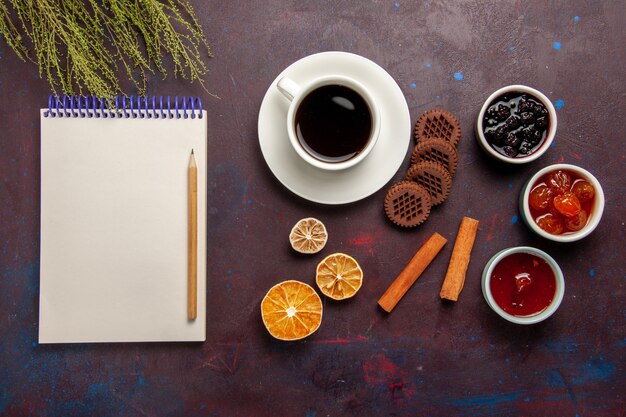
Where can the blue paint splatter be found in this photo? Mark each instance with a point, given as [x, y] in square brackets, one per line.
[511, 48]
[226, 29]
[437, 97]
[553, 144]
[413, 85]
[596, 369]
[510, 185]
[310, 413]
[249, 201]
[556, 45]
[592, 272]
[34, 344]
[514, 219]
[487, 399]
[458, 76]
[396, 6]
[97, 389]
[473, 338]
[559, 104]
[428, 66]
[576, 19]
[565, 347]
[202, 406]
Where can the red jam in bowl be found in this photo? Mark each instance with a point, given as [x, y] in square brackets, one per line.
[523, 284]
[561, 202]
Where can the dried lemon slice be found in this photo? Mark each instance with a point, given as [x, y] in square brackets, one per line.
[291, 310]
[339, 276]
[308, 236]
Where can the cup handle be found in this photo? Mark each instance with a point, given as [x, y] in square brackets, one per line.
[288, 87]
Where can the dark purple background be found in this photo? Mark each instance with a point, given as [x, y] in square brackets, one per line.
[426, 358]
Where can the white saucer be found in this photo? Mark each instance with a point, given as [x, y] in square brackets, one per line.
[352, 184]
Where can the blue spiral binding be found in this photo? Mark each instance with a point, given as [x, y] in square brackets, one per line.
[117, 111]
[74, 114]
[176, 106]
[127, 107]
[94, 105]
[183, 107]
[139, 112]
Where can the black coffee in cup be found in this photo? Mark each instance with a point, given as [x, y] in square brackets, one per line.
[333, 123]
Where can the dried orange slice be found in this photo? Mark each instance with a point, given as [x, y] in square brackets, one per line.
[339, 276]
[291, 310]
[308, 236]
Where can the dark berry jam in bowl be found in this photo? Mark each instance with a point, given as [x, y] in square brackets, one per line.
[524, 285]
[562, 202]
[516, 124]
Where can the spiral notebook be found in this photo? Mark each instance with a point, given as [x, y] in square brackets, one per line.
[114, 219]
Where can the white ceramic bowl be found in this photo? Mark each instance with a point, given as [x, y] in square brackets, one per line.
[480, 136]
[556, 301]
[596, 212]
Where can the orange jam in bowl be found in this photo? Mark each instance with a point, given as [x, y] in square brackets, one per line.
[562, 202]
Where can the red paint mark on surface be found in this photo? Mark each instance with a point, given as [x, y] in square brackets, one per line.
[561, 159]
[396, 389]
[223, 360]
[379, 370]
[363, 239]
[340, 341]
[337, 341]
[236, 359]
[396, 385]
[577, 156]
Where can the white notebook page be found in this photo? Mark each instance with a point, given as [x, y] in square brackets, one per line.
[114, 229]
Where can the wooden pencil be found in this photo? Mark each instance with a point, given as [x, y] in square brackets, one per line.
[192, 245]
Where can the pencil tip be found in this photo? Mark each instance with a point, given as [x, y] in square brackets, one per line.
[192, 151]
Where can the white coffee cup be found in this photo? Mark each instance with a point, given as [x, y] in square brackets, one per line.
[296, 93]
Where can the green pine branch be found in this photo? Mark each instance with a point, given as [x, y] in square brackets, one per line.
[81, 46]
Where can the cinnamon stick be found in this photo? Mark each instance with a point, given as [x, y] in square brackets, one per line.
[411, 272]
[455, 277]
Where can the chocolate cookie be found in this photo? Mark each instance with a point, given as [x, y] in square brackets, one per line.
[436, 150]
[438, 123]
[434, 177]
[407, 204]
